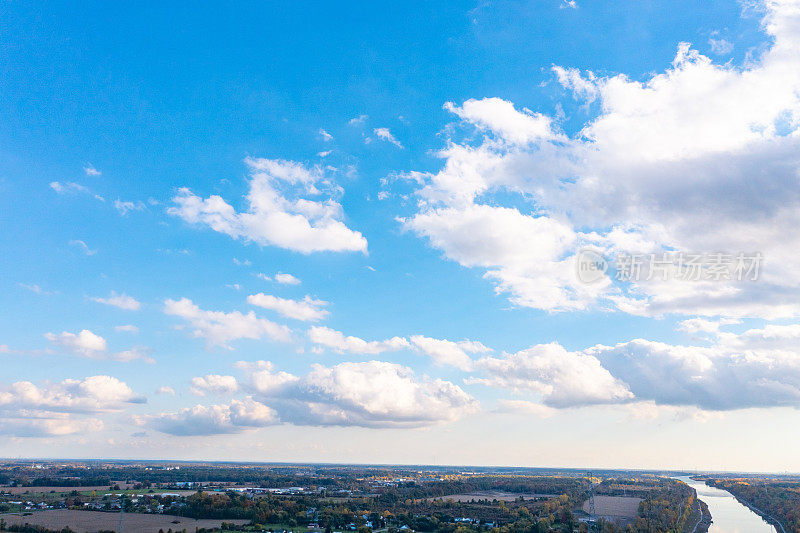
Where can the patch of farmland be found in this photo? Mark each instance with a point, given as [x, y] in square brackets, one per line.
[23, 490]
[93, 521]
[614, 506]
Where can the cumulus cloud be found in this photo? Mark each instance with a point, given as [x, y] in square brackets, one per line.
[499, 117]
[704, 325]
[93, 346]
[368, 394]
[657, 159]
[219, 328]
[164, 389]
[561, 378]
[279, 212]
[529, 257]
[262, 377]
[337, 341]
[445, 352]
[756, 368]
[213, 420]
[441, 351]
[91, 394]
[286, 279]
[371, 394]
[122, 301]
[307, 309]
[83, 343]
[214, 384]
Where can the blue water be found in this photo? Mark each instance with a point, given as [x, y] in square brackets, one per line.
[729, 515]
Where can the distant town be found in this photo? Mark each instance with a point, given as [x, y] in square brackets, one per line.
[162, 497]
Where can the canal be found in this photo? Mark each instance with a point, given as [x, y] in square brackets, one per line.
[728, 514]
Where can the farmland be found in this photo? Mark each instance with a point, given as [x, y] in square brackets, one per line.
[92, 521]
[614, 506]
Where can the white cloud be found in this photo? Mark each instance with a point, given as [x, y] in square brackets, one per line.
[307, 309]
[286, 279]
[702, 325]
[445, 352]
[125, 207]
[325, 135]
[55, 425]
[499, 117]
[91, 171]
[84, 343]
[93, 346]
[212, 420]
[33, 287]
[69, 187]
[122, 301]
[529, 257]
[368, 394]
[720, 47]
[83, 247]
[336, 340]
[441, 351]
[756, 368]
[279, 210]
[357, 121]
[386, 135]
[263, 379]
[214, 384]
[561, 378]
[127, 328]
[659, 159]
[94, 394]
[219, 328]
[164, 389]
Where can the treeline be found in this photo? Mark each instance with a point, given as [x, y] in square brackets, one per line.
[515, 484]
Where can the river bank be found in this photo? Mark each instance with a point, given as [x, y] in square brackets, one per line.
[728, 514]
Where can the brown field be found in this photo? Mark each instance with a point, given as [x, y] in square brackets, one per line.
[23, 490]
[614, 506]
[92, 521]
[492, 495]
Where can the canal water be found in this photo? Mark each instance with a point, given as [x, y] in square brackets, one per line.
[728, 514]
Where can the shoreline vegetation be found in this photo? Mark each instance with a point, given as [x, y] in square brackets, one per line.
[767, 517]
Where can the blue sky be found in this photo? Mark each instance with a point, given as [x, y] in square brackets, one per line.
[428, 174]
